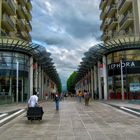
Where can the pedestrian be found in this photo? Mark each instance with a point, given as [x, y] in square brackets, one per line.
[46, 96]
[56, 100]
[80, 96]
[33, 101]
[87, 97]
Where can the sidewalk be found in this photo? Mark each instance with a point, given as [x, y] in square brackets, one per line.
[11, 107]
[120, 103]
[128, 106]
[75, 121]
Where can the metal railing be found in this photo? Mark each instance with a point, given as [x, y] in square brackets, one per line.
[127, 16]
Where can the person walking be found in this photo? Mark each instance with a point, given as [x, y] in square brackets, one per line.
[33, 101]
[80, 96]
[86, 96]
[56, 100]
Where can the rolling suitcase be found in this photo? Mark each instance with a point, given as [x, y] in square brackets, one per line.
[34, 113]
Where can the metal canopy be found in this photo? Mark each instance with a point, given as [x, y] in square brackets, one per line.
[38, 52]
[96, 52]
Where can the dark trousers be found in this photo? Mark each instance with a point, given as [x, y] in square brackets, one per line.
[57, 105]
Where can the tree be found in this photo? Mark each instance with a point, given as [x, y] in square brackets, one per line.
[70, 83]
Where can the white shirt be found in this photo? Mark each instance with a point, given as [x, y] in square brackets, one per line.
[33, 101]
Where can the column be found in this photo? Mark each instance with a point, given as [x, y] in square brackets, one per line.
[42, 83]
[105, 77]
[99, 81]
[31, 77]
[22, 89]
[95, 78]
[36, 76]
[91, 76]
[39, 82]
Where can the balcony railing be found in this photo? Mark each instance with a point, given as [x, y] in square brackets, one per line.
[112, 9]
[104, 25]
[126, 17]
[20, 12]
[123, 3]
[7, 19]
[112, 20]
[22, 2]
[102, 4]
[9, 6]
[28, 5]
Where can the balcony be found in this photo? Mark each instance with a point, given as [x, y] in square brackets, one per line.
[102, 4]
[109, 2]
[102, 15]
[113, 23]
[24, 34]
[27, 14]
[123, 5]
[111, 10]
[9, 7]
[126, 33]
[29, 5]
[104, 36]
[104, 25]
[20, 25]
[22, 2]
[126, 21]
[7, 23]
[20, 12]
[28, 27]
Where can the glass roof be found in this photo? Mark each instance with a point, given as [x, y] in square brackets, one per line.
[38, 52]
[96, 52]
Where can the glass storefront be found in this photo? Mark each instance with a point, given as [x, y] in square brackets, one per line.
[131, 74]
[8, 80]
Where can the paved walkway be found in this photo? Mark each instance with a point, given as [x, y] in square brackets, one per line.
[74, 121]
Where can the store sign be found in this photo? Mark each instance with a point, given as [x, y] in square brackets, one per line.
[101, 68]
[128, 64]
[134, 87]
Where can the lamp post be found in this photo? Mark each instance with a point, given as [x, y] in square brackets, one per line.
[122, 84]
[17, 74]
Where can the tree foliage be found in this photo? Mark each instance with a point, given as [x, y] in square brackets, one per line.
[70, 82]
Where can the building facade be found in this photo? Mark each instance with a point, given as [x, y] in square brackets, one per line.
[114, 65]
[15, 18]
[24, 66]
[119, 18]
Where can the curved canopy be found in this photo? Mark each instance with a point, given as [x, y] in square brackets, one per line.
[38, 52]
[96, 52]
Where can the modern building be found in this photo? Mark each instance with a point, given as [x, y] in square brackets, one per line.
[24, 66]
[111, 69]
[119, 18]
[15, 18]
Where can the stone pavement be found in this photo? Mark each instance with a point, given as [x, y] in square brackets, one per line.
[75, 121]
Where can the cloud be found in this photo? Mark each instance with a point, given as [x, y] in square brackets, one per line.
[67, 29]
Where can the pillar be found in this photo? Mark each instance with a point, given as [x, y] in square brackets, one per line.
[95, 78]
[105, 77]
[99, 81]
[91, 76]
[31, 77]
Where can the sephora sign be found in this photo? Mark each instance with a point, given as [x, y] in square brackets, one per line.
[127, 64]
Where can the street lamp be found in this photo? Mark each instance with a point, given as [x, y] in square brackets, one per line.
[122, 84]
[17, 75]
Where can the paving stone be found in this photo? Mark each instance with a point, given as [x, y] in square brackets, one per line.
[74, 121]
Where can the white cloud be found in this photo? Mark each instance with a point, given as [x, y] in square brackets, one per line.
[67, 29]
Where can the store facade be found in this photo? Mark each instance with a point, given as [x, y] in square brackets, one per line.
[114, 69]
[129, 62]
[24, 67]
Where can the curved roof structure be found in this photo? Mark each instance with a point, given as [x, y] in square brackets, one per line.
[96, 52]
[38, 52]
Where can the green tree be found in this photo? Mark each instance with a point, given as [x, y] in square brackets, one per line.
[70, 82]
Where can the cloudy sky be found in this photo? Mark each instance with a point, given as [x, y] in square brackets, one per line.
[67, 28]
